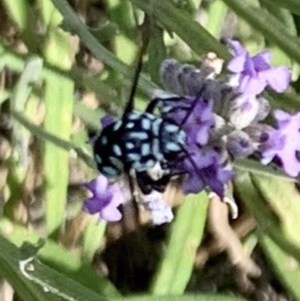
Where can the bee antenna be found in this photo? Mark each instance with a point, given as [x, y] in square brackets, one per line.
[145, 29]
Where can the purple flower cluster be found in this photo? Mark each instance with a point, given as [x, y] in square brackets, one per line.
[223, 118]
[227, 121]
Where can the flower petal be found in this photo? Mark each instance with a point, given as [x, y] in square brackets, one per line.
[98, 185]
[192, 184]
[236, 64]
[236, 46]
[261, 61]
[110, 214]
[278, 78]
[252, 85]
[284, 143]
[92, 205]
[283, 118]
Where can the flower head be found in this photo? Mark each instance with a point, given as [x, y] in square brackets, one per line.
[255, 73]
[204, 169]
[105, 199]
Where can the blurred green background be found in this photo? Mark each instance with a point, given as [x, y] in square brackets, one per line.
[65, 64]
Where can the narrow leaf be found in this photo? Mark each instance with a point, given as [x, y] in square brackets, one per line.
[285, 266]
[9, 269]
[174, 19]
[59, 102]
[184, 238]
[264, 216]
[93, 235]
[284, 199]
[59, 258]
[217, 11]
[267, 24]
[188, 297]
[75, 25]
[292, 5]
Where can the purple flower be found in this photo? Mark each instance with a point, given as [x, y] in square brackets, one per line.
[200, 121]
[283, 144]
[195, 123]
[204, 169]
[105, 200]
[255, 73]
[160, 211]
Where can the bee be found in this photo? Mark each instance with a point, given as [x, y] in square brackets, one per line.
[144, 142]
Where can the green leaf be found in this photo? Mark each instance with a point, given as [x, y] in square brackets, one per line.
[107, 94]
[184, 238]
[75, 25]
[286, 267]
[18, 161]
[189, 297]
[284, 199]
[287, 19]
[20, 139]
[265, 217]
[121, 12]
[174, 19]
[292, 5]
[29, 276]
[92, 237]
[217, 11]
[285, 101]
[9, 269]
[88, 116]
[157, 52]
[18, 12]
[58, 284]
[21, 14]
[57, 257]
[57, 141]
[105, 32]
[58, 51]
[259, 169]
[268, 25]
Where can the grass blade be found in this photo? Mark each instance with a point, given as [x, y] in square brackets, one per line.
[92, 237]
[56, 256]
[268, 25]
[74, 24]
[265, 218]
[178, 21]
[58, 51]
[9, 269]
[292, 5]
[285, 266]
[184, 238]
